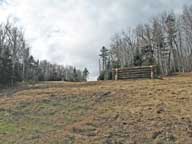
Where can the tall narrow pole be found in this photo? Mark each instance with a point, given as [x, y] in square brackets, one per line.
[99, 66]
[116, 74]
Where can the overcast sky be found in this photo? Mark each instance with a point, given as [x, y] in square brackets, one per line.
[71, 32]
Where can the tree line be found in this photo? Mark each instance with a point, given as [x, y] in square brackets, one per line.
[165, 41]
[17, 64]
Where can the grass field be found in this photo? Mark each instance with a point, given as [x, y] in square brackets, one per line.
[111, 112]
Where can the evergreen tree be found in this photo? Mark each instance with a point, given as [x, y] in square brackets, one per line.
[104, 55]
[85, 74]
[75, 75]
[138, 58]
[6, 68]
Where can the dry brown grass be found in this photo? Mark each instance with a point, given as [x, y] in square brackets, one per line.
[111, 112]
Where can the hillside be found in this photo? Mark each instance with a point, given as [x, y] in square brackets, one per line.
[111, 112]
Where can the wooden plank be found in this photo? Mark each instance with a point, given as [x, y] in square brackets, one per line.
[143, 71]
[149, 76]
[122, 78]
[134, 75]
[139, 67]
[139, 71]
[135, 69]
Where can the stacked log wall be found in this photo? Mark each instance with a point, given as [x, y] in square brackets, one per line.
[142, 72]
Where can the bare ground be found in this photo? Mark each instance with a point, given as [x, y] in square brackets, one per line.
[111, 112]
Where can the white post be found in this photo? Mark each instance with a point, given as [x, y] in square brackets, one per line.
[152, 72]
[116, 74]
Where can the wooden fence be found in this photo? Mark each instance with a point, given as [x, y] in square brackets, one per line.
[135, 73]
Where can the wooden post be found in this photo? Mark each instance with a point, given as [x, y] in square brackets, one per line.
[116, 74]
[152, 72]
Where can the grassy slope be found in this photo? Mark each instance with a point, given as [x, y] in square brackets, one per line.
[132, 112]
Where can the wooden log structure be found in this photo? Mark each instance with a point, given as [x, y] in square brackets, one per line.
[141, 72]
